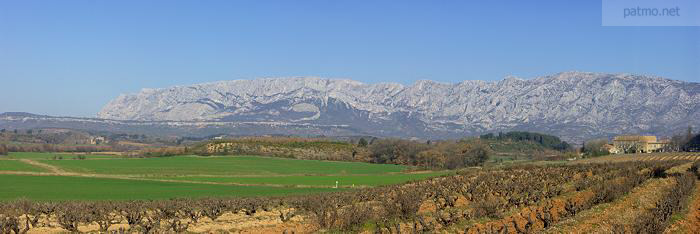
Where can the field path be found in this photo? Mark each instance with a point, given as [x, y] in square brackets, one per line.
[51, 168]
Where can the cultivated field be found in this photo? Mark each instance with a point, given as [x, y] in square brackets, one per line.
[650, 193]
[644, 157]
[18, 166]
[90, 188]
[221, 165]
[99, 177]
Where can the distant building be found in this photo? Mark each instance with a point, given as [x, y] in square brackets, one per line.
[98, 140]
[637, 144]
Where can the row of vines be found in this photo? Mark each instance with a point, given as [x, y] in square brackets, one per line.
[521, 199]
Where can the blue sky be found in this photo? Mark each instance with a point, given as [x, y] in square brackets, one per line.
[71, 57]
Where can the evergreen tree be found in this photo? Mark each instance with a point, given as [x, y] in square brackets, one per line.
[362, 142]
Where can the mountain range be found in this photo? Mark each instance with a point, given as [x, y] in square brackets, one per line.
[573, 105]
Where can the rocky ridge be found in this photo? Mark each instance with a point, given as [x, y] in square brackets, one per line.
[571, 101]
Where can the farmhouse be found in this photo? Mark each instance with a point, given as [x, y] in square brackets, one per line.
[637, 144]
[98, 140]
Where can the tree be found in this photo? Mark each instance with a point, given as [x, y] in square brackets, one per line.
[452, 155]
[676, 144]
[362, 142]
[431, 159]
[477, 154]
[627, 146]
[545, 140]
[487, 136]
[679, 142]
[595, 147]
[396, 151]
[693, 144]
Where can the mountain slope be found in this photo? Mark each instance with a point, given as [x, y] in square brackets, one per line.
[565, 104]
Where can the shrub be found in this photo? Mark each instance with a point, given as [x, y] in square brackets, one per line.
[213, 208]
[324, 208]
[3, 149]
[101, 213]
[133, 211]
[656, 220]
[487, 208]
[70, 214]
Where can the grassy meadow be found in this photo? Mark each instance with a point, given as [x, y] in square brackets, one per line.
[103, 177]
[87, 188]
[221, 165]
[327, 180]
[14, 165]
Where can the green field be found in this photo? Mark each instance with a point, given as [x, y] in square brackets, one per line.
[343, 180]
[15, 165]
[85, 188]
[116, 178]
[227, 165]
[40, 155]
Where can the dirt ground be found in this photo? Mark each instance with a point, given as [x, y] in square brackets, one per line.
[260, 222]
[602, 218]
[690, 223]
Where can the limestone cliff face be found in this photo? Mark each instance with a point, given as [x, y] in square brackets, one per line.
[565, 103]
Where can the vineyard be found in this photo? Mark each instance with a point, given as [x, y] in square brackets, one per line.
[631, 196]
[644, 157]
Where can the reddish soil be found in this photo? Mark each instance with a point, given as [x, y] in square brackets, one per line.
[601, 218]
[691, 222]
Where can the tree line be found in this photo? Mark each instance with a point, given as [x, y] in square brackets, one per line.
[693, 144]
[441, 155]
[433, 155]
[55, 148]
[545, 140]
[686, 141]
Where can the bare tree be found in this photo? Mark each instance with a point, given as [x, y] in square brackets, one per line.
[3, 149]
[595, 147]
